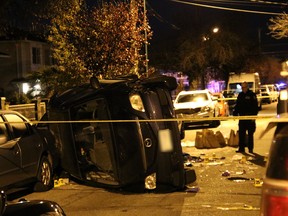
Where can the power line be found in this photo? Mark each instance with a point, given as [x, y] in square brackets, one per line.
[160, 18]
[227, 8]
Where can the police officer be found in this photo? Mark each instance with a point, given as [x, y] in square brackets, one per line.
[246, 105]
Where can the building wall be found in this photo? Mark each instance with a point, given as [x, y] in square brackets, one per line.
[20, 60]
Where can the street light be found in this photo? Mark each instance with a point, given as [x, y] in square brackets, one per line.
[215, 30]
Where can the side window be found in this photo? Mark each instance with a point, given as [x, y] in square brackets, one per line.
[93, 138]
[18, 125]
[3, 132]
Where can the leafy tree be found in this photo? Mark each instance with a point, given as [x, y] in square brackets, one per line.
[21, 19]
[279, 26]
[105, 40]
[62, 37]
[212, 57]
[267, 66]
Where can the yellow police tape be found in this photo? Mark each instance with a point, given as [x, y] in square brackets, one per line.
[164, 120]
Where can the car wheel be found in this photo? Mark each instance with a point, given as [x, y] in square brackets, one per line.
[260, 106]
[44, 176]
[182, 131]
[215, 123]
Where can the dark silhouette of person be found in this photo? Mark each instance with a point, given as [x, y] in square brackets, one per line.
[246, 105]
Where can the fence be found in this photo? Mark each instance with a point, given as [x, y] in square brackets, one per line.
[32, 111]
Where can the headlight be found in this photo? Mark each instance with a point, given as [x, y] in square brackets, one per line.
[136, 102]
[205, 109]
[150, 181]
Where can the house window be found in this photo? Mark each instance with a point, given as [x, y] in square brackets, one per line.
[36, 57]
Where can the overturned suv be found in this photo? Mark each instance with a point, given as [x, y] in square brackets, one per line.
[120, 133]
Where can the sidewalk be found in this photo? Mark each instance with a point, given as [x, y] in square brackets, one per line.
[261, 146]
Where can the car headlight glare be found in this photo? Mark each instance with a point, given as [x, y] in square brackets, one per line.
[205, 109]
[136, 102]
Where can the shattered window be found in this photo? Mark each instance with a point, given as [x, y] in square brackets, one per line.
[93, 138]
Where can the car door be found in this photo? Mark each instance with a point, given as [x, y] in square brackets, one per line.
[10, 157]
[30, 144]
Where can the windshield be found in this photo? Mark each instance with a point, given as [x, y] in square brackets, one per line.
[195, 97]
[236, 87]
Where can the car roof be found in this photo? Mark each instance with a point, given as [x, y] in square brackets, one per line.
[194, 91]
[14, 112]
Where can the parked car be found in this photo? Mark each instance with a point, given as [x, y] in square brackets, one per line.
[114, 135]
[222, 104]
[31, 208]
[274, 198]
[26, 158]
[269, 93]
[197, 108]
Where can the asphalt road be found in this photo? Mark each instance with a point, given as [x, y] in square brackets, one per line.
[212, 194]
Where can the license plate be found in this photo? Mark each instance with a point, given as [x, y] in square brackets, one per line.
[165, 140]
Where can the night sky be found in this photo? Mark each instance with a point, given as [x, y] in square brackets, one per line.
[169, 18]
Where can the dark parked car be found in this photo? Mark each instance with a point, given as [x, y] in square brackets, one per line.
[31, 208]
[26, 158]
[274, 200]
[112, 134]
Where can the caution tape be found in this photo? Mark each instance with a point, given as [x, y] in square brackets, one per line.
[154, 120]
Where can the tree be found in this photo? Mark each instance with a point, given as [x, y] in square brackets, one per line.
[70, 66]
[21, 19]
[212, 57]
[279, 26]
[103, 40]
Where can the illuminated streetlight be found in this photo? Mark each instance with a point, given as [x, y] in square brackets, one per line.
[215, 30]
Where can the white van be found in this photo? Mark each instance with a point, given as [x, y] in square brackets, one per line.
[253, 81]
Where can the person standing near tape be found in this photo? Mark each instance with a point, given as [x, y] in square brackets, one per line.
[246, 105]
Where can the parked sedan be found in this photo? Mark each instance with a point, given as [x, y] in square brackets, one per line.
[197, 108]
[274, 200]
[25, 156]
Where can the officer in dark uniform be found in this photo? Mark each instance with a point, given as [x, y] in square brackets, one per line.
[246, 105]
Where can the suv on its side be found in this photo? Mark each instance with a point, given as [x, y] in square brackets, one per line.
[115, 136]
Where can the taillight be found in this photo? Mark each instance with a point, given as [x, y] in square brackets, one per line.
[274, 202]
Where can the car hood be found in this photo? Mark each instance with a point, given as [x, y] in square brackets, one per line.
[274, 122]
[191, 105]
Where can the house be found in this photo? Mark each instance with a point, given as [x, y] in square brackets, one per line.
[17, 59]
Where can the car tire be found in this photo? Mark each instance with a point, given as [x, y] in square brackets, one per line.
[260, 107]
[182, 131]
[44, 176]
[215, 123]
